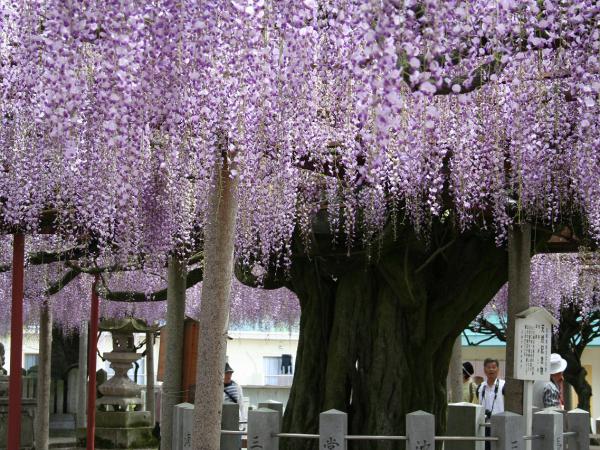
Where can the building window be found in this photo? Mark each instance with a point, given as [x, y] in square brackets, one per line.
[31, 359]
[278, 370]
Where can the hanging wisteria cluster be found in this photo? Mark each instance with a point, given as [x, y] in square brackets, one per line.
[250, 308]
[557, 280]
[115, 113]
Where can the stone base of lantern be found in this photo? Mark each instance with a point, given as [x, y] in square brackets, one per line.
[113, 404]
[123, 429]
[119, 419]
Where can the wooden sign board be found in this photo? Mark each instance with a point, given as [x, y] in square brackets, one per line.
[533, 336]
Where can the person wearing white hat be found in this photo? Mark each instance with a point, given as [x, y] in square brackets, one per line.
[552, 389]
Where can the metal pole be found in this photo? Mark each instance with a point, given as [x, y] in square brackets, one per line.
[93, 338]
[16, 344]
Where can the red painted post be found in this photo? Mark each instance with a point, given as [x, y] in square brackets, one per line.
[16, 345]
[92, 346]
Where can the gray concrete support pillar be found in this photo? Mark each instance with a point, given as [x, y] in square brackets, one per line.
[171, 388]
[80, 417]
[150, 407]
[42, 428]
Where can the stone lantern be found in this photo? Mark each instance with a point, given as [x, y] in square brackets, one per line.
[120, 421]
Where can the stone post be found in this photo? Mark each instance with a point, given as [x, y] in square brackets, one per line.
[562, 412]
[549, 425]
[187, 427]
[230, 420]
[420, 430]
[262, 425]
[150, 376]
[464, 419]
[578, 420]
[333, 429]
[274, 405]
[509, 428]
[178, 433]
[42, 427]
[171, 388]
[82, 377]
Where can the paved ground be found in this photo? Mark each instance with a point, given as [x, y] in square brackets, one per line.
[62, 442]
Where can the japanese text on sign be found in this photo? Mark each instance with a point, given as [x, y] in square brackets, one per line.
[532, 360]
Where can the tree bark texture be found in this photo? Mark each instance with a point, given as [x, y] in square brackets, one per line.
[42, 429]
[171, 388]
[377, 328]
[574, 334]
[576, 378]
[519, 273]
[214, 311]
[82, 377]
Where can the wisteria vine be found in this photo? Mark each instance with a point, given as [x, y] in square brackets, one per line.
[70, 305]
[114, 113]
[557, 280]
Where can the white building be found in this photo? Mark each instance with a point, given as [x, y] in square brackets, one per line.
[265, 372]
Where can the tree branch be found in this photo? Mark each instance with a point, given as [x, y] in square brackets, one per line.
[195, 258]
[102, 269]
[193, 277]
[40, 258]
[66, 279]
[490, 328]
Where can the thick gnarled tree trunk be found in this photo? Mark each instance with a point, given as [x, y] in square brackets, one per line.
[377, 331]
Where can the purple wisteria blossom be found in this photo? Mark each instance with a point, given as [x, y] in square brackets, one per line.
[557, 281]
[113, 114]
[111, 111]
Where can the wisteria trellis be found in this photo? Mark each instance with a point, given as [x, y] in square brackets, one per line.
[557, 280]
[250, 308]
[113, 114]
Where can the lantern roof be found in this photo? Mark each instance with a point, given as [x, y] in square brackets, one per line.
[126, 325]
